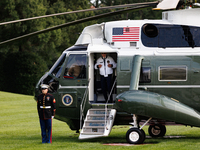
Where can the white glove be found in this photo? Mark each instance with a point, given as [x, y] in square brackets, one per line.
[52, 117]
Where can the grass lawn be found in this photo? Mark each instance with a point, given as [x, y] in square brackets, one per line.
[19, 129]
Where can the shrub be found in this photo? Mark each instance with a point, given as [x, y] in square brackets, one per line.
[22, 70]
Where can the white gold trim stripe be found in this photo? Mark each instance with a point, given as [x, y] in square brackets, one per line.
[142, 86]
[72, 87]
[161, 86]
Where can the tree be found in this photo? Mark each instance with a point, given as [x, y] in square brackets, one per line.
[71, 33]
[51, 44]
[14, 10]
[21, 72]
[47, 46]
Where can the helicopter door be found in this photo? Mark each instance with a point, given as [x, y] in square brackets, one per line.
[73, 82]
[98, 91]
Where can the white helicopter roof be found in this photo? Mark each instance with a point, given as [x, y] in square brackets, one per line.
[185, 17]
[101, 37]
[95, 34]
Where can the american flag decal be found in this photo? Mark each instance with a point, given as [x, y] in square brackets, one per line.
[126, 34]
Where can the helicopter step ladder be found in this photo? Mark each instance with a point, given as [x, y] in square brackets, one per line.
[98, 123]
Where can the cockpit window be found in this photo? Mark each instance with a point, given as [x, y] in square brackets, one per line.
[76, 67]
[57, 68]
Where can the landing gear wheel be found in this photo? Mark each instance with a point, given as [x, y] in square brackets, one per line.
[135, 136]
[157, 130]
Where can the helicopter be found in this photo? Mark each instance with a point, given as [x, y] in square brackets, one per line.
[155, 81]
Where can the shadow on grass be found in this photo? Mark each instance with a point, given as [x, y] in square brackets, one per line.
[120, 139]
[73, 138]
[172, 139]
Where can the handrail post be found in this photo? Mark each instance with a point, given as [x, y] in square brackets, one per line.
[106, 109]
[82, 106]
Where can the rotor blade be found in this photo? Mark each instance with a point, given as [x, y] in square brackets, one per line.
[167, 4]
[85, 10]
[78, 21]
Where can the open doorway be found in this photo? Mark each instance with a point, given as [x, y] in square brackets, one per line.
[97, 93]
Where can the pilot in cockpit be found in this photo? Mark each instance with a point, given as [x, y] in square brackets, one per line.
[77, 67]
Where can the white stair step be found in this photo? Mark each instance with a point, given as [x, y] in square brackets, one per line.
[99, 127]
[96, 121]
[95, 124]
[98, 112]
[93, 130]
[98, 115]
[92, 133]
[95, 118]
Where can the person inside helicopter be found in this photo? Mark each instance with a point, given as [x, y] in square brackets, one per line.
[77, 67]
[105, 64]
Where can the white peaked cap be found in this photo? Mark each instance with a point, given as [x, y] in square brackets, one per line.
[44, 86]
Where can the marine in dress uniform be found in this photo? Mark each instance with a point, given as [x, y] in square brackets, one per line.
[105, 64]
[46, 106]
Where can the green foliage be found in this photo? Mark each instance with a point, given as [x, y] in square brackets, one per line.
[22, 70]
[20, 9]
[47, 46]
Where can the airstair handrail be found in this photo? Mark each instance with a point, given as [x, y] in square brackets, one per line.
[82, 106]
[106, 106]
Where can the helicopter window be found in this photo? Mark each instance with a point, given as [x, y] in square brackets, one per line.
[76, 67]
[170, 36]
[57, 68]
[172, 73]
[167, 37]
[145, 75]
[193, 36]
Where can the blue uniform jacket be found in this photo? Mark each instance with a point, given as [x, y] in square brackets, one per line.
[46, 106]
